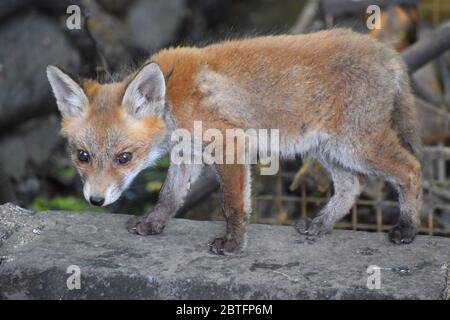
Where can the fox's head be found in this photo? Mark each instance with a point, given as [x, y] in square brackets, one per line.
[114, 130]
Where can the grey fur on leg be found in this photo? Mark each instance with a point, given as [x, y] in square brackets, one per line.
[408, 225]
[346, 189]
[171, 198]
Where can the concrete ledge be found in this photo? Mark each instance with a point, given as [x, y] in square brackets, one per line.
[37, 248]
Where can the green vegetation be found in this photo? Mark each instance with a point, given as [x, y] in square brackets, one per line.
[69, 203]
[66, 173]
[318, 194]
[164, 163]
[153, 178]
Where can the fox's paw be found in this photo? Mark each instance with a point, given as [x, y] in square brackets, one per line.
[144, 226]
[403, 233]
[223, 245]
[313, 227]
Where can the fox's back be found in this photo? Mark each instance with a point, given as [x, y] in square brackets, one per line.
[310, 79]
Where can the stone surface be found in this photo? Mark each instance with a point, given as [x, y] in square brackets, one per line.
[29, 42]
[155, 23]
[30, 145]
[110, 35]
[10, 7]
[37, 248]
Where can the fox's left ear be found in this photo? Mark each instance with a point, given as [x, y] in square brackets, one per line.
[70, 98]
[145, 94]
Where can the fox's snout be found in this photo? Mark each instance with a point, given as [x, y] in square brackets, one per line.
[94, 198]
[100, 194]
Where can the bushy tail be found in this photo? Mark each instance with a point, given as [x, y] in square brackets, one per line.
[406, 122]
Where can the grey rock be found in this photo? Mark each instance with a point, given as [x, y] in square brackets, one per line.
[9, 7]
[117, 7]
[6, 188]
[153, 24]
[30, 185]
[278, 263]
[56, 6]
[30, 42]
[110, 35]
[341, 7]
[30, 145]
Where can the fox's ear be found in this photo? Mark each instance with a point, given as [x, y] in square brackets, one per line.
[70, 98]
[145, 94]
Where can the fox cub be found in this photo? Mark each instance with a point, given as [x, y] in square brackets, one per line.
[339, 96]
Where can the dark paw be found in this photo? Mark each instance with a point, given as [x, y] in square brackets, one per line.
[144, 226]
[402, 234]
[302, 225]
[223, 245]
[313, 227]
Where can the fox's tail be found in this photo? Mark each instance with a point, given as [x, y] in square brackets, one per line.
[406, 122]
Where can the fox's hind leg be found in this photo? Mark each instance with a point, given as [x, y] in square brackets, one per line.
[403, 170]
[346, 189]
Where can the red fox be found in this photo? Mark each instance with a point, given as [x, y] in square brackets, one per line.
[342, 97]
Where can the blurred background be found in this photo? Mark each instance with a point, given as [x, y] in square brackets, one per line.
[117, 35]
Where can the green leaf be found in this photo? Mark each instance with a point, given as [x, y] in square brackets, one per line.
[68, 203]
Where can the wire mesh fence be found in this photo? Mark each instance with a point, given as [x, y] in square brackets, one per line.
[438, 10]
[377, 213]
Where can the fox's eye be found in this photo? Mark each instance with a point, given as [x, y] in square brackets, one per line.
[83, 156]
[124, 157]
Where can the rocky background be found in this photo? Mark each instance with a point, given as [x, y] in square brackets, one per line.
[115, 37]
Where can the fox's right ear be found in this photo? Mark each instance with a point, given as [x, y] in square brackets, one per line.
[145, 94]
[70, 98]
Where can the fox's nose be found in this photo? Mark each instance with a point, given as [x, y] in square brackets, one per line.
[97, 201]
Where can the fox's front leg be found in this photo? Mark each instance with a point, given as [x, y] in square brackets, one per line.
[236, 187]
[171, 198]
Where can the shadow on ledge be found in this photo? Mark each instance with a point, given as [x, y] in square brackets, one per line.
[41, 253]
